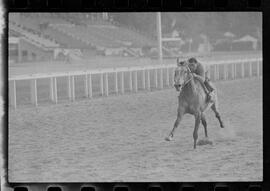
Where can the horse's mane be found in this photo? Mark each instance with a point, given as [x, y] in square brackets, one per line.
[193, 86]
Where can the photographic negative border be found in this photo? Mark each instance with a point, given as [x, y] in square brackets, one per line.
[138, 6]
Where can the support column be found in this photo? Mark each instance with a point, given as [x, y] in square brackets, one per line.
[159, 35]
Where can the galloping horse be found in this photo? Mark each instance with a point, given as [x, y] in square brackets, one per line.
[193, 100]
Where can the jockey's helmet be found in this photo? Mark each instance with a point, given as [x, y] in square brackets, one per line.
[192, 60]
[192, 64]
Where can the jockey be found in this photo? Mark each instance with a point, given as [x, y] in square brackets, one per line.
[199, 73]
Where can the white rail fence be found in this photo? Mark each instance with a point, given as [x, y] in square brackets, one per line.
[125, 79]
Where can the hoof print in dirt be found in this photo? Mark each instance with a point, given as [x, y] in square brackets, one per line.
[168, 138]
[204, 142]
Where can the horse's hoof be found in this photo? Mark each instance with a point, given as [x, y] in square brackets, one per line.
[168, 138]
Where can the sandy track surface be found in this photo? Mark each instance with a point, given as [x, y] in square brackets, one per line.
[121, 138]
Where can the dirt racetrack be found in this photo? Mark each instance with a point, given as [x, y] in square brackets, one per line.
[121, 138]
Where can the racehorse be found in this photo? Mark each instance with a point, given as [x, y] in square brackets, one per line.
[192, 100]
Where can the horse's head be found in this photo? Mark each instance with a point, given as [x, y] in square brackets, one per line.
[181, 75]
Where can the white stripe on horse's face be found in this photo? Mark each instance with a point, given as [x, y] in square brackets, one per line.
[180, 75]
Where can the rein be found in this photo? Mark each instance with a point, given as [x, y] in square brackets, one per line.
[186, 82]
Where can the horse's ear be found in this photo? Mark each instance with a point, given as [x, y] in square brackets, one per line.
[180, 63]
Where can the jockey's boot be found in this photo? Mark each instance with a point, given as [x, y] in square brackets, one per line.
[208, 85]
[210, 90]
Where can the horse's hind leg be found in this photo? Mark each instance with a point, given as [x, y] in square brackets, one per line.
[176, 124]
[203, 119]
[214, 108]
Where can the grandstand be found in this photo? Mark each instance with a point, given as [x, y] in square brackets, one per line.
[42, 35]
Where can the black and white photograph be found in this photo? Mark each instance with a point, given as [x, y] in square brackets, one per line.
[135, 97]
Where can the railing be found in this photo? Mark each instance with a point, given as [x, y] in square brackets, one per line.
[122, 80]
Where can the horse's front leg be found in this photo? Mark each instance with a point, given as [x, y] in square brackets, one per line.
[180, 114]
[197, 124]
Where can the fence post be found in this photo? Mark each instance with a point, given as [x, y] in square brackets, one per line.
[55, 89]
[130, 80]
[156, 80]
[226, 76]
[167, 77]
[148, 80]
[69, 88]
[250, 69]
[72, 88]
[207, 69]
[12, 93]
[135, 81]
[90, 91]
[235, 71]
[172, 77]
[242, 70]
[106, 85]
[258, 68]
[232, 71]
[215, 72]
[101, 84]
[122, 83]
[86, 85]
[161, 78]
[143, 79]
[51, 89]
[33, 84]
[116, 82]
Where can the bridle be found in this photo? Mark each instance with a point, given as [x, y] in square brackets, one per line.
[187, 81]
